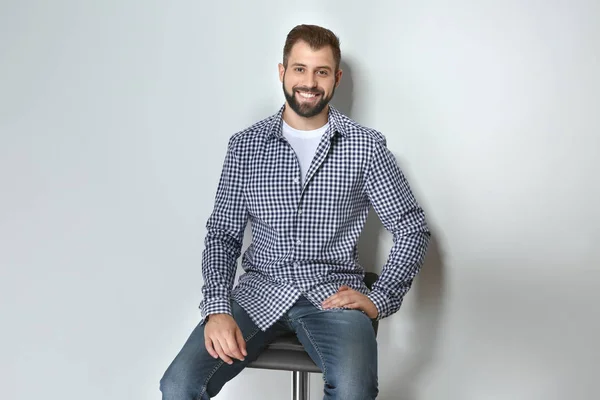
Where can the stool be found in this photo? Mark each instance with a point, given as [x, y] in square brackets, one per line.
[286, 353]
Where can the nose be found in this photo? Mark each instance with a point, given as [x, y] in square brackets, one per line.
[310, 81]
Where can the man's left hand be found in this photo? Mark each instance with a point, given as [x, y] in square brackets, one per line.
[350, 298]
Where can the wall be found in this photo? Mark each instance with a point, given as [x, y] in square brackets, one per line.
[114, 119]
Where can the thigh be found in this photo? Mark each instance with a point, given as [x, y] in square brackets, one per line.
[343, 344]
[194, 373]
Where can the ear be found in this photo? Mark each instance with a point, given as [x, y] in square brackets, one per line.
[338, 77]
[281, 72]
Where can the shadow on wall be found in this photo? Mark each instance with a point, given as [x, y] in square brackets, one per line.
[425, 319]
[427, 290]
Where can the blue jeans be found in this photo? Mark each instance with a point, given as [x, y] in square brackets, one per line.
[341, 342]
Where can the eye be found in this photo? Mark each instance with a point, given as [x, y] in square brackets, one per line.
[299, 69]
[323, 72]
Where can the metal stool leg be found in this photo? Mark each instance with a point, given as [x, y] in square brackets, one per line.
[300, 385]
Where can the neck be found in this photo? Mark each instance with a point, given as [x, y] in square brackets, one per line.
[305, 124]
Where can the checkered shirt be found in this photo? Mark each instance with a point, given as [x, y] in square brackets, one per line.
[304, 236]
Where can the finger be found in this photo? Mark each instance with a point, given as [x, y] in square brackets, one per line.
[241, 342]
[354, 305]
[233, 349]
[350, 298]
[225, 346]
[335, 296]
[221, 352]
[341, 299]
[209, 347]
[330, 300]
[336, 299]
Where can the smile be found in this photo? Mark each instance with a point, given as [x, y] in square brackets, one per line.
[307, 95]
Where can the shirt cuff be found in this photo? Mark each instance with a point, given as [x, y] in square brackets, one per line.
[215, 306]
[380, 302]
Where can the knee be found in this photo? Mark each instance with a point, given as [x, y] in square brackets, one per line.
[176, 385]
[352, 385]
[170, 385]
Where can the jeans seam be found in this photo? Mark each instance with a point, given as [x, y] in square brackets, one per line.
[219, 364]
[310, 338]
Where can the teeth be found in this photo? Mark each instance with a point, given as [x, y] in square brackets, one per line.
[307, 95]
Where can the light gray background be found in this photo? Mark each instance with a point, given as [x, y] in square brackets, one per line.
[114, 120]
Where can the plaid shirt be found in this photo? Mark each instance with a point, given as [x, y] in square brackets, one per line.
[304, 236]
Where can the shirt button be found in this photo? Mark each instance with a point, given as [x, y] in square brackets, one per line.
[299, 211]
[296, 180]
[298, 242]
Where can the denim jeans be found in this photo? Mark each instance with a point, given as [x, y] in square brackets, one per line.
[341, 342]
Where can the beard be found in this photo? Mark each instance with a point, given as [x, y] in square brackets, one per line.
[304, 109]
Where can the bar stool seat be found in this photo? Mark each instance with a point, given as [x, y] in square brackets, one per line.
[286, 353]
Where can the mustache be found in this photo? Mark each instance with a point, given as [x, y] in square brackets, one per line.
[309, 90]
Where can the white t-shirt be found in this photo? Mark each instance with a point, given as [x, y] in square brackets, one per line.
[305, 144]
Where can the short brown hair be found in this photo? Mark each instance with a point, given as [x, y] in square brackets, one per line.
[316, 37]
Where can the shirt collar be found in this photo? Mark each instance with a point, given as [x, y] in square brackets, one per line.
[336, 123]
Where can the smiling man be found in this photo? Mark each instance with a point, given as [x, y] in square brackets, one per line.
[305, 178]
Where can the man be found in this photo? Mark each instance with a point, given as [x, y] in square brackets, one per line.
[305, 178]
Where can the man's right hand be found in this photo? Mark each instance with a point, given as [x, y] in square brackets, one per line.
[223, 338]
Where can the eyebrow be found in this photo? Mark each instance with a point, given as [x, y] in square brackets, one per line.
[304, 65]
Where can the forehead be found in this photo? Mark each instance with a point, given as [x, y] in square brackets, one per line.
[302, 53]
